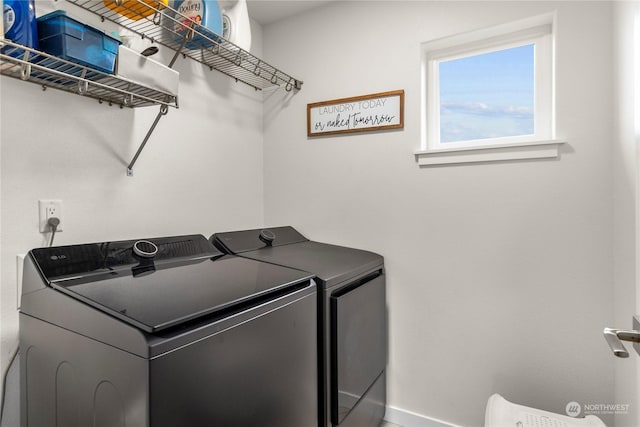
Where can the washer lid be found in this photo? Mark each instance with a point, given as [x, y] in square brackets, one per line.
[155, 295]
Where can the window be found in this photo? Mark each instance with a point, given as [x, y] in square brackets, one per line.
[486, 95]
[490, 89]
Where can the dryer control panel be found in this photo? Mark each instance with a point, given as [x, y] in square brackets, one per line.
[236, 242]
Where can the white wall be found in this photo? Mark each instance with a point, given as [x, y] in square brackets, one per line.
[499, 275]
[200, 172]
[625, 167]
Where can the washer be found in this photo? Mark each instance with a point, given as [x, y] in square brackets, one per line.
[165, 332]
[352, 319]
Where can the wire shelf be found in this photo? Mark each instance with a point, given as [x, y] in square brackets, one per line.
[165, 26]
[30, 65]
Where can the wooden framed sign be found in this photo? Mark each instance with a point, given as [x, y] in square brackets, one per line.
[358, 114]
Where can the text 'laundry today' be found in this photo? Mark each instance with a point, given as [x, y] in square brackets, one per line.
[352, 106]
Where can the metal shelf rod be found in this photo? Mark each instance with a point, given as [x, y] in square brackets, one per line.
[163, 111]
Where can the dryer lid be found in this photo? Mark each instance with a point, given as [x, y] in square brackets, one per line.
[330, 263]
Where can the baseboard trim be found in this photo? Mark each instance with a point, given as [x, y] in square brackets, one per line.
[406, 418]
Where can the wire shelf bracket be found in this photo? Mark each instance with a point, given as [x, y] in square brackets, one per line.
[163, 111]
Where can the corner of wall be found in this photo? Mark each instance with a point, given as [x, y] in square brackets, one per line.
[626, 199]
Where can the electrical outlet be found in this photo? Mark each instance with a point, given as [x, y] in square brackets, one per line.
[49, 209]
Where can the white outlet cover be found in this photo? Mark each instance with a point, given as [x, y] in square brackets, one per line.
[42, 209]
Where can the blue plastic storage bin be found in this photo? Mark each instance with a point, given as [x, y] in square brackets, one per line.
[66, 38]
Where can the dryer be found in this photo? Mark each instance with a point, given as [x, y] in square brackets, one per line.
[352, 318]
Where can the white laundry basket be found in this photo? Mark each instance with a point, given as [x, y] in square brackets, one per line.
[502, 413]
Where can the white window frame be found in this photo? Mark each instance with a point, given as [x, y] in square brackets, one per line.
[538, 31]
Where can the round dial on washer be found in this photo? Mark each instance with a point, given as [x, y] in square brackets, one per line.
[267, 236]
[145, 249]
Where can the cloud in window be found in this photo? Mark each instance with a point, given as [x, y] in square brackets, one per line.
[482, 109]
[477, 120]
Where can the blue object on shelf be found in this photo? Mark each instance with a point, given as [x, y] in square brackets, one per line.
[19, 19]
[206, 13]
[69, 39]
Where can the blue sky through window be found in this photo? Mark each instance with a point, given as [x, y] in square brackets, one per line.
[488, 95]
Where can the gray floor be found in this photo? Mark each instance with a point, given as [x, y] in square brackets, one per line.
[387, 424]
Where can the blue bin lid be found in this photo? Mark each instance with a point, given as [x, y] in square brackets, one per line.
[53, 15]
[110, 44]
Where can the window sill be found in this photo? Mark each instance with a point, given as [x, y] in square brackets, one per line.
[490, 153]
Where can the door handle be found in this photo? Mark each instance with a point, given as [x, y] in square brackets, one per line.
[615, 337]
